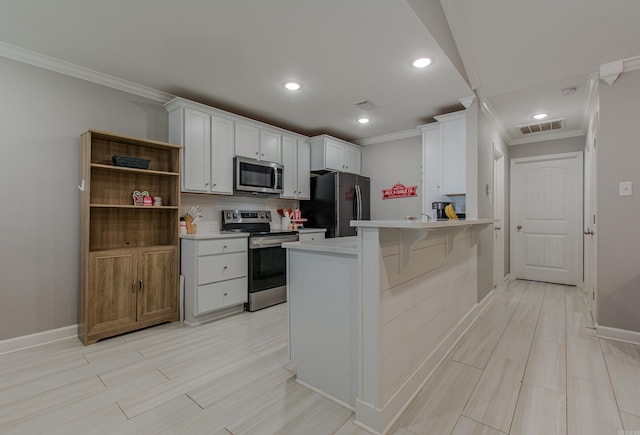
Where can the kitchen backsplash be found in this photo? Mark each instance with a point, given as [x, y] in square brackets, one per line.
[212, 206]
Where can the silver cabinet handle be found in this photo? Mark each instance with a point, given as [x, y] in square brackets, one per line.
[497, 228]
[226, 267]
[588, 232]
[225, 294]
[141, 285]
[519, 227]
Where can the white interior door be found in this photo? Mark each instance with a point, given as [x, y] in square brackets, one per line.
[546, 218]
[590, 222]
[498, 216]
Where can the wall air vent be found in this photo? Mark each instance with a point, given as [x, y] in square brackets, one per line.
[541, 127]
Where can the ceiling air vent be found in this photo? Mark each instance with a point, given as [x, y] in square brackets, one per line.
[541, 127]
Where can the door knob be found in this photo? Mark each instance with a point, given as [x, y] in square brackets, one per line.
[588, 232]
[519, 227]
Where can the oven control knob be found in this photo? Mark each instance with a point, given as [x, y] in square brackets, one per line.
[228, 215]
[269, 214]
[235, 215]
[262, 215]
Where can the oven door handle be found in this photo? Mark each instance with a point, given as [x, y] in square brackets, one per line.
[268, 242]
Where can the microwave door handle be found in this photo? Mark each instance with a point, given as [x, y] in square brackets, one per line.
[275, 177]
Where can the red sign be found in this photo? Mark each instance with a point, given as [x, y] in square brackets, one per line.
[399, 191]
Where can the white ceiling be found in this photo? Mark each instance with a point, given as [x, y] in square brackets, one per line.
[520, 54]
[235, 54]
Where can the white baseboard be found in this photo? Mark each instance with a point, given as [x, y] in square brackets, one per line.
[37, 339]
[507, 279]
[322, 393]
[396, 405]
[632, 337]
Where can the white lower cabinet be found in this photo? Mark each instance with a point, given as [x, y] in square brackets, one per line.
[311, 234]
[215, 277]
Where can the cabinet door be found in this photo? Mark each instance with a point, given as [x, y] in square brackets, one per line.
[270, 146]
[304, 165]
[334, 155]
[111, 296]
[221, 155]
[197, 151]
[158, 284]
[352, 160]
[289, 161]
[454, 157]
[247, 141]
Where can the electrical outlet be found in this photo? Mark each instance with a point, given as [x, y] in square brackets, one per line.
[625, 188]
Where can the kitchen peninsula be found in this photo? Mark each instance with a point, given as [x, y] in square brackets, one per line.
[371, 316]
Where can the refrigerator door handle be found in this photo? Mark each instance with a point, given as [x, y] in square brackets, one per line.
[359, 199]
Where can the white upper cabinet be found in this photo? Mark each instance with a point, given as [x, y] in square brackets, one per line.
[211, 138]
[296, 161]
[247, 141]
[453, 134]
[221, 155]
[207, 141]
[304, 167]
[328, 153]
[444, 158]
[270, 146]
[255, 143]
[196, 155]
[352, 157]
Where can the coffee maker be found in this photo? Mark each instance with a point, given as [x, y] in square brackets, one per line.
[439, 208]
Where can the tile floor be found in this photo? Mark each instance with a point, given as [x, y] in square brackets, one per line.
[531, 364]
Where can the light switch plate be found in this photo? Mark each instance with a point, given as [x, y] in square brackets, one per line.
[625, 188]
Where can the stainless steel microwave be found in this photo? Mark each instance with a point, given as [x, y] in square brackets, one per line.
[255, 176]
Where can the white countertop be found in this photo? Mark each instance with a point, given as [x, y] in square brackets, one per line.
[213, 235]
[420, 224]
[338, 245]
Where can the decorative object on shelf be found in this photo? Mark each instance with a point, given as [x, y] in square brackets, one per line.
[157, 201]
[138, 197]
[399, 190]
[130, 162]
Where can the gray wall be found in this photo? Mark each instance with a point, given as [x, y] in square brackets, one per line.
[387, 164]
[555, 146]
[42, 115]
[488, 139]
[618, 280]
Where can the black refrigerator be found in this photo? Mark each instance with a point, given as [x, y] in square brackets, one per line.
[336, 199]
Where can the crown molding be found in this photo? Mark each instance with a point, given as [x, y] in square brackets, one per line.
[389, 137]
[56, 65]
[467, 101]
[486, 107]
[609, 72]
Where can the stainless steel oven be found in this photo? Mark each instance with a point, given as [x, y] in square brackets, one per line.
[267, 259]
[268, 269]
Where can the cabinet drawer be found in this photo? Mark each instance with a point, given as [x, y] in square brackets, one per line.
[221, 294]
[304, 237]
[222, 246]
[221, 267]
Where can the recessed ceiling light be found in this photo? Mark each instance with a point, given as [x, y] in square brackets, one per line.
[422, 62]
[292, 86]
[540, 116]
[364, 120]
